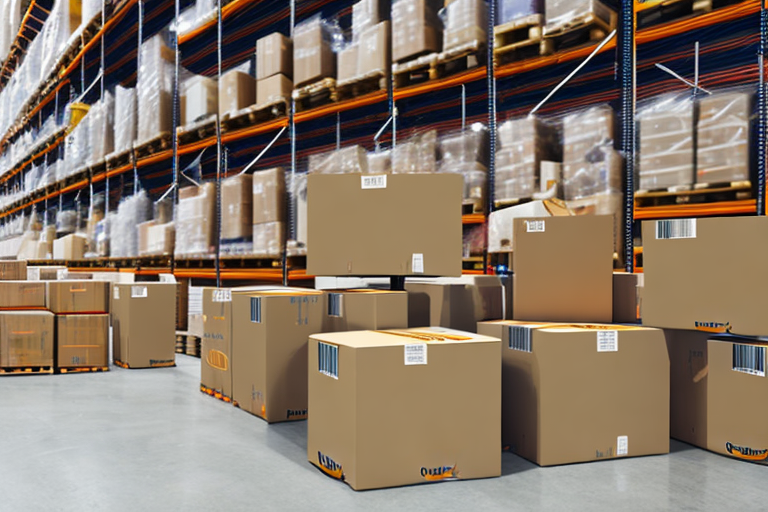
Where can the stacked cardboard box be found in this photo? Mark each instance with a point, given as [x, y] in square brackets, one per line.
[363, 309]
[560, 14]
[416, 28]
[368, 54]
[465, 24]
[313, 58]
[268, 228]
[725, 137]
[237, 212]
[237, 90]
[274, 69]
[201, 98]
[511, 10]
[195, 220]
[26, 328]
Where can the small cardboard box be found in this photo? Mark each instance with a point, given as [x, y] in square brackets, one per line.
[78, 296]
[11, 270]
[269, 351]
[380, 417]
[364, 309]
[274, 56]
[237, 90]
[384, 225]
[273, 89]
[22, 294]
[268, 195]
[546, 289]
[70, 247]
[579, 393]
[144, 324]
[82, 341]
[26, 339]
[236, 207]
[456, 303]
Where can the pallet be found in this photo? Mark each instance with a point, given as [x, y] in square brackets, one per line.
[117, 160]
[506, 203]
[470, 206]
[215, 394]
[126, 367]
[154, 145]
[316, 94]
[29, 370]
[254, 115]
[672, 10]
[519, 39]
[587, 28]
[196, 132]
[696, 194]
[434, 66]
[362, 85]
[90, 369]
[187, 344]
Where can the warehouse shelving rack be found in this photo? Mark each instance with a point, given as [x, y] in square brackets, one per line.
[109, 54]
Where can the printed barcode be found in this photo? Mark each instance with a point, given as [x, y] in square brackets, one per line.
[535, 226]
[675, 228]
[335, 304]
[749, 359]
[328, 359]
[256, 310]
[520, 338]
[374, 181]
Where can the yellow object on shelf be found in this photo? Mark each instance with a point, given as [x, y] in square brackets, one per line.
[77, 111]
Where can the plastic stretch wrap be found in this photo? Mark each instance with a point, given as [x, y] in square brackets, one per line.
[268, 239]
[95, 215]
[511, 10]
[465, 23]
[466, 152]
[131, 212]
[342, 161]
[665, 129]
[267, 196]
[380, 163]
[365, 14]
[155, 238]
[90, 9]
[66, 222]
[274, 55]
[561, 12]
[125, 118]
[237, 208]
[416, 155]
[102, 236]
[101, 120]
[153, 89]
[313, 57]
[416, 28]
[723, 152]
[298, 184]
[346, 68]
[202, 98]
[237, 90]
[196, 15]
[195, 221]
[76, 153]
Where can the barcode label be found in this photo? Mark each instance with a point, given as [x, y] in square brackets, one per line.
[256, 310]
[607, 341]
[33, 274]
[61, 274]
[749, 359]
[535, 226]
[335, 304]
[622, 445]
[116, 293]
[520, 338]
[167, 278]
[415, 353]
[675, 228]
[417, 263]
[328, 359]
[222, 295]
[138, 292]
[374, 181]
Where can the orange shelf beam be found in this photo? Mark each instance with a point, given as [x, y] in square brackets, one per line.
[473, 218]
[742, 207]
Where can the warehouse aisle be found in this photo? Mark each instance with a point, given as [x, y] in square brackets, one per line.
[148, 440]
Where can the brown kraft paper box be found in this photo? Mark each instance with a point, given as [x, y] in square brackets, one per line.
[626, 300]
[547, 290]
[78, 296]
[22, 294]
[273, 90]
[313, 58]
[274, 56]
[26, 339]
[579, 393]
[143, 324]
[269, 351]
[689, 370]
[237, 207]
[364, 309]
[378, 419]
[402, 224]
[237, 90]
[454, 303]
[706, 274]
[13, 270]
[82, 341]
[268, 195]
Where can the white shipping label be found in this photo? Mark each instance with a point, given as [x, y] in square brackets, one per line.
[417, 263]
[622, 445]
[675, 228]
[374, 181]
[535, 226]
[607, 341]
[222, 295]
[33, 274]
[116, 293]
[138, 292]
[415, 353]
[167, 278]
[61, 274]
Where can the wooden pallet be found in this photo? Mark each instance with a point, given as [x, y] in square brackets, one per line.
[196, 132]
[29, 370]
[671, 10]
[362, 85]
[215, 394]
[255, 115]
[315, 94]
[699, 193]
[434, 66]
[117, 160]
[126, 367]
[470, 206]
[506, 203]
[187, 344]
[519, 39]
[587, 28]
[158, 143]
[90, 369]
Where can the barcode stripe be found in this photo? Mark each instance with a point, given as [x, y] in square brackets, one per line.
[328, 359]
[520, 338]
[256, 310]
[334, 304]
[675, 228]
[749, 359]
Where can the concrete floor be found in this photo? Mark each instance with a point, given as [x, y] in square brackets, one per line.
[149, 440]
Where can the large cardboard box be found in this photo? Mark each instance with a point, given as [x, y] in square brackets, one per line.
[313, 58]
[694, 279]
[70, 247]
[144, 325]
[12, 270]
[45, 273]
[363, 309]
[237, 90]
[82, 341]
[397, 224]
[274, 89]
[26, 339]
[626, 301]
[689, 370]
[22, 294]
[578, 393]
[273, 56]
[546, 288]
[380, 418]
[236, 207]
[373, 55]
[268, 195]
[78, 296]
[269, 351]
[456, 303]
[416, 28]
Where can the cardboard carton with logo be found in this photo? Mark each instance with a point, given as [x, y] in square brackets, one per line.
[579, 393]
[78, 296]
[144, 324]
[384, 406]
[363, 309]
[82, 340]
[13, 270]
[26, 339]
[456, 303]
[707, 274]
[402, 224]
[546, 289]
[22, 294]
[269, 350]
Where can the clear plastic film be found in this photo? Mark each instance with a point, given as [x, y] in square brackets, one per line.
[380, 162]
[268, 239]
[125, 118]
[268, 195]
[196, 15]
[466, 152]
[195, 221]
[298, 185]
[274, 55]
[416, 155]
[365, 14]
[562, 12]
[237, 90]
[89, 10]
[237, 208]
[153, 89]
[156, 239]
[723, 151]
[101, 121]
[511, 10]
[95, 215]
[465, 23]
[346, 160]
[313, 43]
[666, 148]
[131, 212]
[202, 98]
[76, 152]
[416, 28]
[66, 222]
[373, 57]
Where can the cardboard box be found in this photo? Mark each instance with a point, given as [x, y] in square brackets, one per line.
[12, 270]
[182, 304]
[369, 428]
[269, 351]
[547, 290]
[373, 56]
[364, 309]
[159, 239]
[365, 14]
[626, 301]
[501, 223]
[22, 294]
[268, 195]
[143, 324]
[693, 280]
[454, 303]
[70, 247]
[202, 98]
[465, 23]
[45, 273]
[724, 150]
[313, 58]
[416, 29]
[236, 207]
[347, 65]
[268, 239]
[237, 90]
[274, 56]
[273, 90]
[397, 224]
[195, 220]
[82, 341]
[26, 339]
[579, 393]
[689, 370]
[78, 296]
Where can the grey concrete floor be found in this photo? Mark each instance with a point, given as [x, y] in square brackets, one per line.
[149, 440]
